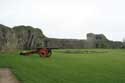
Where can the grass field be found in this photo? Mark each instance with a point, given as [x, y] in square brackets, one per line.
[68, 66]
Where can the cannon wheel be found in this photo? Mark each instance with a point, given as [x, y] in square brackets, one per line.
[45, 52]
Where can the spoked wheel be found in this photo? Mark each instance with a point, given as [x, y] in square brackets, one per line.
[45, 52]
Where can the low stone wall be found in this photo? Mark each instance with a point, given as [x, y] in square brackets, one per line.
[64, 43]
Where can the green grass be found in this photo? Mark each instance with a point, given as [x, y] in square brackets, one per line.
[101, 66]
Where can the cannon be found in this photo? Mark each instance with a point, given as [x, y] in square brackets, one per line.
[43, 52]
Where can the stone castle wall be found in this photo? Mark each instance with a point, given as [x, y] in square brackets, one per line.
[27, 37]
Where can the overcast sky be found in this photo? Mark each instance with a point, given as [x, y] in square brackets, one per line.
[67, 18]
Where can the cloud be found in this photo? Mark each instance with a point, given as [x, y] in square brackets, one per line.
[66, 18]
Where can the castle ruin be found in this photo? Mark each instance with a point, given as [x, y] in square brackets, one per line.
[27, 37]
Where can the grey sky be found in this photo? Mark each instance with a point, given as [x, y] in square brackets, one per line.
[67, 18]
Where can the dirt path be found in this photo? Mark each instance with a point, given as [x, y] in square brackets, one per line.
[6, 76]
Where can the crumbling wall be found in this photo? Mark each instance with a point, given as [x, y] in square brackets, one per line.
[100, 41]
[7, 38]
[20, 37]
[28, 37]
